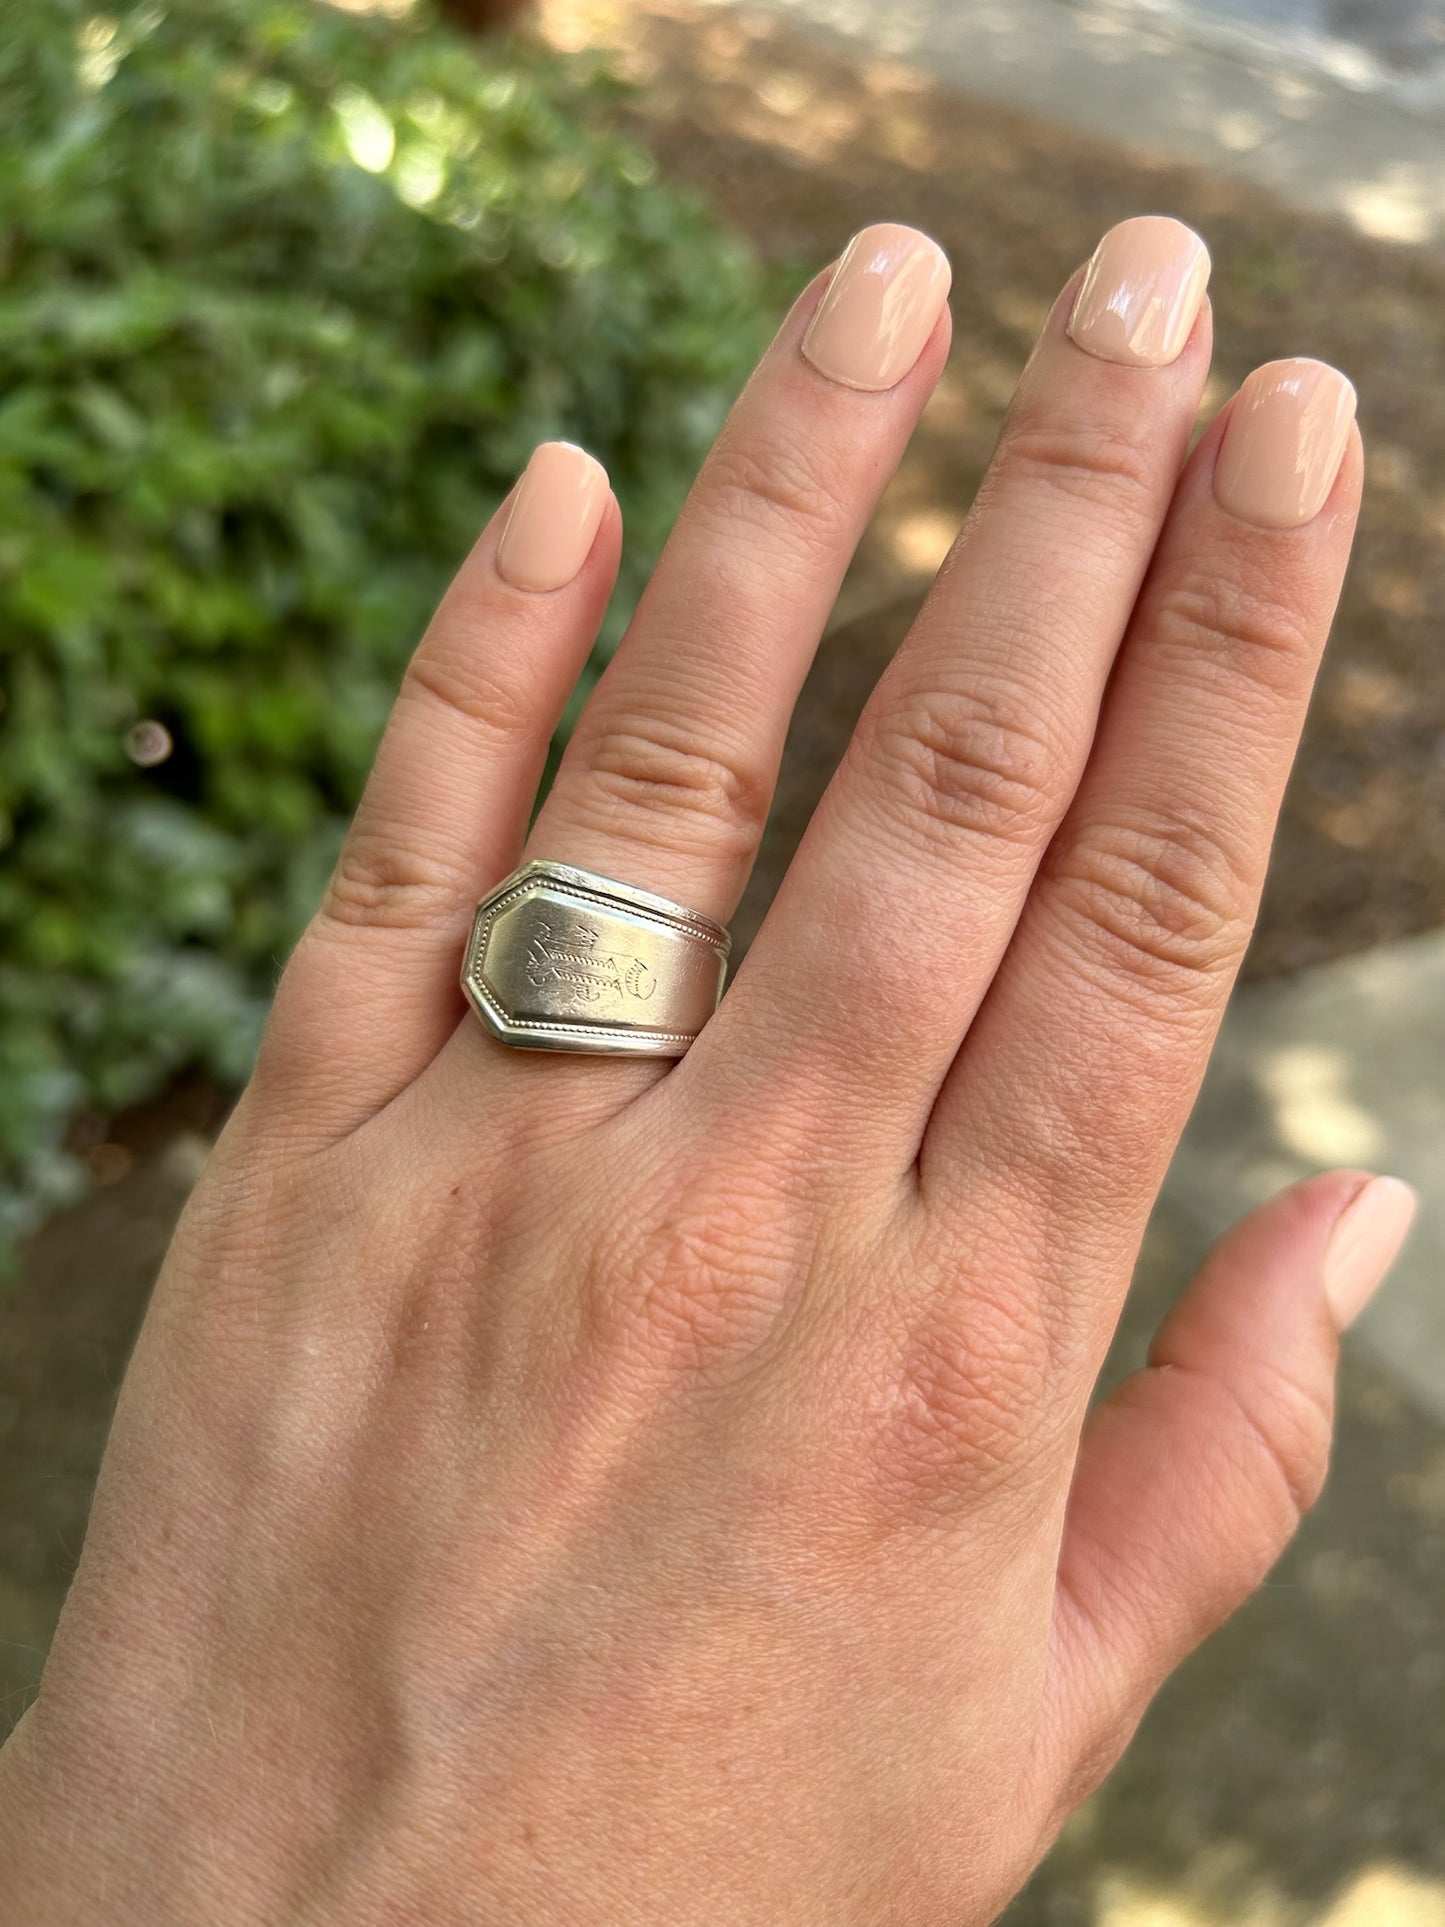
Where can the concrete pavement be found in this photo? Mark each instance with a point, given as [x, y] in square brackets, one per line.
[1343, 1065]
[1331, 124]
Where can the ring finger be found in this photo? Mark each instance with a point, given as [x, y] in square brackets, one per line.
[667, 780]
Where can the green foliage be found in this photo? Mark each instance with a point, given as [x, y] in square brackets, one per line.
[286, 297]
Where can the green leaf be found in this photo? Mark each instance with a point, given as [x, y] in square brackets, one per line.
[288, 294]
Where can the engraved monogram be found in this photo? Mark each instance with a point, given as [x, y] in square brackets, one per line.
[568, 956]
[560, 959]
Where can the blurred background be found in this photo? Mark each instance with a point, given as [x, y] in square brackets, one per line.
[287, 292]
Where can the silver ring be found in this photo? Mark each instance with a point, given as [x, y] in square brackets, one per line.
[562, 959]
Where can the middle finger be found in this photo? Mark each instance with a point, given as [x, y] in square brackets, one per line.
[668, 777]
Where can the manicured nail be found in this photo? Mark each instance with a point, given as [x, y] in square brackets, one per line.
[1141, 293]
[1286, 436]
[886, 294]
[555, 516]
[1364, 1244]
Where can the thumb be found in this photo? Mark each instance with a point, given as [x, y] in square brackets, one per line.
[1194, 1474]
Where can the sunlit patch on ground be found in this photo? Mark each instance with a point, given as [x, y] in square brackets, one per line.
[1378, 1897]
[1314, 1113]
[1389, 1897]
[1395, 207]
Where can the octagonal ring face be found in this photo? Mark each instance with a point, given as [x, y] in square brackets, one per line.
[561, 959]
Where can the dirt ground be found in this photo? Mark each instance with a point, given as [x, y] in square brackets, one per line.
[801, 145]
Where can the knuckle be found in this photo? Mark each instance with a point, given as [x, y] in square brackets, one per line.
[1105, 464]
[970, 1393]
[1160, 897]
[783, 490]
[1286, 1427]
[699, 1287]
[1262, 1462]
[462, 687]
[1235, 629]
[651, 782]
[382, 881]
[968, 762]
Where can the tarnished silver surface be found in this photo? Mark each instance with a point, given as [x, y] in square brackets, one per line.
[561, 959]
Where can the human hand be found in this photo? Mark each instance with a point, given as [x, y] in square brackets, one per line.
[556, 1489]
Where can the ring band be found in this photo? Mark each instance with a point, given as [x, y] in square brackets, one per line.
[562, 959]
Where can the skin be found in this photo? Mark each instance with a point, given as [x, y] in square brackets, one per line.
[560, 1489]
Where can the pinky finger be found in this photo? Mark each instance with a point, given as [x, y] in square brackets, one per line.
[371, 994]
[1194, 1474]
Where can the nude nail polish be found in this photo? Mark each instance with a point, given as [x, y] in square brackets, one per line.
[1140, 295]
[881, 306]
[1286, 436]
[1364, 1244]
[555, 516]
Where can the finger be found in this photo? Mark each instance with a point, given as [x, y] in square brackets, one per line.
[1077, 1078]
[371, 992]
[1194, 1474]
[669, 775]
[909, 882]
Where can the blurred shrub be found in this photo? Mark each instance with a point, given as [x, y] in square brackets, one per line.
[286, 296]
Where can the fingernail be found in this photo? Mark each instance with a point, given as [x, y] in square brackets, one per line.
[1141, 293]
[886, 294]
[1284, 442]
[554, 518]
[1364, 1244]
